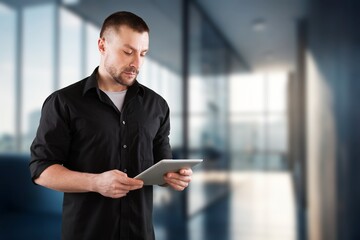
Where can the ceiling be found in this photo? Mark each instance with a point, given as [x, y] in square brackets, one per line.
[262, 32]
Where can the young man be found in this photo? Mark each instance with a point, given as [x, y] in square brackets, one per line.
[97, 134]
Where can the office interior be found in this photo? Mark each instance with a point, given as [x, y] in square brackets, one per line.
[264, 91]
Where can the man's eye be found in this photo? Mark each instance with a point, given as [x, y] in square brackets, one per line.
[127, 53]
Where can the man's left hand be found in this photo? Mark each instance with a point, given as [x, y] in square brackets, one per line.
[179, 180]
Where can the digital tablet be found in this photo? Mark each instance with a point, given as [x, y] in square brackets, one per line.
[154, 175]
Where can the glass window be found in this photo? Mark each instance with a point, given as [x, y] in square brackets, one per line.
[143, 76]
[197, 95]
[92, 55]
[247, 133]
[174, 93]
[154, 76]
[208, 104]
[277, 133]
[258, 129]
[247, 93]
[38, 76]
[198, 135]
[70, 48]
[277, 88]
[7, 79]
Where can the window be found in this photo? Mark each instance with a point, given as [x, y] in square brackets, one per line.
[258, 135]
[28, 65]
[38, 69]
[7, 79]
[91, 57]
[70, 48]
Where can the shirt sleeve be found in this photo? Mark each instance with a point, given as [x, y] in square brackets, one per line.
[52, 140]
[162, 148]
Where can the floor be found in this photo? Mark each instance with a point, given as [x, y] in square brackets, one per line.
[259, 206]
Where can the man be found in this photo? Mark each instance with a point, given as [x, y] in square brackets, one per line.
[97, 134]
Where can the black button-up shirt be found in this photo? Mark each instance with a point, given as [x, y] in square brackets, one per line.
[83, 130]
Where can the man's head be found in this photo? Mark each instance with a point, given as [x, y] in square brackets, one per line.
[115, 20]
[123, 43]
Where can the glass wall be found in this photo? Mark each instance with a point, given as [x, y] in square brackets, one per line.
[258, 136]
[72, 47]
[8, 22]
[38, 66]
[210, 62]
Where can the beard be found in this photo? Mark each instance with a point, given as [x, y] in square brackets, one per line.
[118, 77]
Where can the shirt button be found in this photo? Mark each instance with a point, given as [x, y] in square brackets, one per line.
[124, 146]
[125, 170]
[123, 122]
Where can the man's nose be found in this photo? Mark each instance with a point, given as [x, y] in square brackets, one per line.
[136, 61]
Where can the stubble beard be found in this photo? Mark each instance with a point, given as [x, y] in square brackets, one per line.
[116, 75]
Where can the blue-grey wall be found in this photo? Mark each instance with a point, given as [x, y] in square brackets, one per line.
[333, 141]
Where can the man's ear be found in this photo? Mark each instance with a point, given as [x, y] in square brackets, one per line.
[101, 45]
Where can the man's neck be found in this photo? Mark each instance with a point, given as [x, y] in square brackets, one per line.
[106, 83]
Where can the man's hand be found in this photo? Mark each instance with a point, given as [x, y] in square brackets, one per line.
[179, 180]
[115, 184]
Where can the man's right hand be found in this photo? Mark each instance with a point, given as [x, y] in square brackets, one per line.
[115, 184]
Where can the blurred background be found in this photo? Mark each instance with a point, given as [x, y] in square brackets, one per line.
[264, 90]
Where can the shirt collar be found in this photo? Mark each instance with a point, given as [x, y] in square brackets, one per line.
[91, 83]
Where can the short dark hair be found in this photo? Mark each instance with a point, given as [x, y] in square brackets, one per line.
[129, 19]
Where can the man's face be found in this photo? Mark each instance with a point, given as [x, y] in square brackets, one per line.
[124, 54]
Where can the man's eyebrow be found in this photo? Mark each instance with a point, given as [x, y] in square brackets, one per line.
[132, 48]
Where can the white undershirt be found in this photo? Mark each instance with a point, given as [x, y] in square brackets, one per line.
[117, 98]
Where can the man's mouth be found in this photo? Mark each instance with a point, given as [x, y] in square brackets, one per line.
[130, 73]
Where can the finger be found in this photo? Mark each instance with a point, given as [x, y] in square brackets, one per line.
[134, 187]
[131, 184]
[178, 177]
[186, 171]
[127, 188]
[134, 182]
[177, 182]
[125, 180]
[119, 195]
[177, 187]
